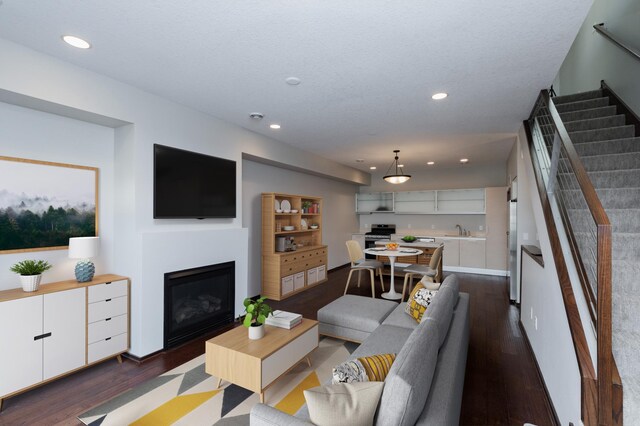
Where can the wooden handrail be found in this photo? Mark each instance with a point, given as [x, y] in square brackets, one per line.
[607, 370]
[588, 386]
[630, 50]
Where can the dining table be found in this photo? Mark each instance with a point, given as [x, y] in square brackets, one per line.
[392, 294]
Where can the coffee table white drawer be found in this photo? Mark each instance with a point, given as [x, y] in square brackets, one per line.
[108, 347]
[107, 291]
[107, 309]
[109, 327]
[284, 358]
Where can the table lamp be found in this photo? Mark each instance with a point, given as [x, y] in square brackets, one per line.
[84, 248]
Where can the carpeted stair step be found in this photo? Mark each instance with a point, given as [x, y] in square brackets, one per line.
[582, 96]
[595, 123]
[608, 179]
[614, 146]
[597, 163]
[622, 220]
[586, 114]
[624, 274]
[624, 246]
[619, 132]
[580, 105]
[610, 198]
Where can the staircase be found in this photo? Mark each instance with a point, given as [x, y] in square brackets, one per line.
[608, 144]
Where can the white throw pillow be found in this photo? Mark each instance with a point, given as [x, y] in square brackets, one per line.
[344, 404]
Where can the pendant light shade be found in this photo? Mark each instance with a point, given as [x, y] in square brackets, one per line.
[396, 175]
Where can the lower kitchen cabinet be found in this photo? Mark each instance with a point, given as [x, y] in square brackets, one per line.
[450, 251]
[472, 253]
[60, 328]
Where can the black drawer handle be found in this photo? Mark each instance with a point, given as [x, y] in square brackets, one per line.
[108, 338]
[108, 300]
[108, 283]
[42, 336]
[108, 319]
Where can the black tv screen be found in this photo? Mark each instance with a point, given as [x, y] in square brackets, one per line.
[191, 185]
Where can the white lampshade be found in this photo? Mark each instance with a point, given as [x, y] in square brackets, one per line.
[83, 247]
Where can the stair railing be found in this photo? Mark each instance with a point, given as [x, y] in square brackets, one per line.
[563, 179]
[615, 40]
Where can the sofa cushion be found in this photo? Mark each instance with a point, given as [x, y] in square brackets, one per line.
[385, 339]
[356, 312]
[399, 318]
[419, 300]
[409, 380]
[372, 368]
[344, 404]
[441, 311]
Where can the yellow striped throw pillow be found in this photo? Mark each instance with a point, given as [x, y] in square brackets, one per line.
[372, 368]
[419, 301]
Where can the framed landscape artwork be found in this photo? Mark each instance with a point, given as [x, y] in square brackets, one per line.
[42, 204]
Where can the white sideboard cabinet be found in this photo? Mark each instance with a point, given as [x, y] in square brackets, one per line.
[43, 334]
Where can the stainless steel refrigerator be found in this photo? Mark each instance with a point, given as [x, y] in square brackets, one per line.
[513, 242]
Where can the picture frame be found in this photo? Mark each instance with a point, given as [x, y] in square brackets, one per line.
[43, 204]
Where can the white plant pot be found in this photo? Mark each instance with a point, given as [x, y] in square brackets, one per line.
[30, 282]
[256, 333]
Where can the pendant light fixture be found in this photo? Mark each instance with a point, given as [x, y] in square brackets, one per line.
[399, 176]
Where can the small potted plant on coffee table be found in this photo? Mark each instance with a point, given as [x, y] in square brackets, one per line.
[256, 314]
[30, 273]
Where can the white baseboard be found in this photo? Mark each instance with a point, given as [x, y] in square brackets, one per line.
[479, 271]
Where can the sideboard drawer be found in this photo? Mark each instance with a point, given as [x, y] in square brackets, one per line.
[107, 291]
[109, 327]
[107, 309]
[108, 347]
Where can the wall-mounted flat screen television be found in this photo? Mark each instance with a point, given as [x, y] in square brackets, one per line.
[188, 185]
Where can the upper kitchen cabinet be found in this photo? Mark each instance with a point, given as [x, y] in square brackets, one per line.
[460, 201]
[415, 202]
[374, 202]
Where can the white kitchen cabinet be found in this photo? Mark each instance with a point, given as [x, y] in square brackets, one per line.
[374, 202]
[472, 253]
[415, 202]
[461, 201]
[450, 251]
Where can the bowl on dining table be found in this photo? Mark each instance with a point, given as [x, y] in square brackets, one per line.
[391, 246]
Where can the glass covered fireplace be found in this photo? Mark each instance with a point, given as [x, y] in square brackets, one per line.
[197, 301]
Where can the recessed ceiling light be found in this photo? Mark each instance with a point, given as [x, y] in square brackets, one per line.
[293, 81]
[274, 126]
[372, 167]
[76, 42]
[430, 163]
[400, 165]
[438, 96]
[464, 160]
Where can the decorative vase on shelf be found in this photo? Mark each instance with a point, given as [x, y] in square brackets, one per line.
[256, 331]
[30, 282]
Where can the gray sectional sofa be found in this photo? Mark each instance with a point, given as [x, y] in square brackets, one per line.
[424, 385]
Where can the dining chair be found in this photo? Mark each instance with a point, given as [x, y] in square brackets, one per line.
[359, 263]
[429, 273]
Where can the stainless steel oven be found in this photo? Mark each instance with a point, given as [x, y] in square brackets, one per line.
[381, 232]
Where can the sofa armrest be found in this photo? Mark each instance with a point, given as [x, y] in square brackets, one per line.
[263, 415]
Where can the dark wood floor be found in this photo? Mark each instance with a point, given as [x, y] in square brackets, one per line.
[501, 385]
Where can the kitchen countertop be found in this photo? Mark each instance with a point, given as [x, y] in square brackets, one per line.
[416, 244]
[398, 237]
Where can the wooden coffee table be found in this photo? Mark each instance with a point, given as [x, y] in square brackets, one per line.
[257, 364]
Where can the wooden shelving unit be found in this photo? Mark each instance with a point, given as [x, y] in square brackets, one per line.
[287, 273]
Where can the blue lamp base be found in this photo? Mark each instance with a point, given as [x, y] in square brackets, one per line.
[84, 271]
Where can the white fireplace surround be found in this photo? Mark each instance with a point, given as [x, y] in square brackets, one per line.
[163, 252]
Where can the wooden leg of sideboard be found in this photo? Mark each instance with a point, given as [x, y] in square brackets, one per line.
[119, 358]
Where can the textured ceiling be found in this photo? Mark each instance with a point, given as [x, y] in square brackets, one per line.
[368, 68]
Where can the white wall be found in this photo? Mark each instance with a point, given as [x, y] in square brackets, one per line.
[593, 58]
[339, 219]
[25, 133]
[41, 82]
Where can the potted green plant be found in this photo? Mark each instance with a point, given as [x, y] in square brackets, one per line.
[256, 314]
[30, 273]
[305, 206]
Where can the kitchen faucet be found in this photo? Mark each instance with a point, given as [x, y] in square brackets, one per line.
[459, 229]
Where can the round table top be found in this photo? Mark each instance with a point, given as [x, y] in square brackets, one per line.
[401, 251]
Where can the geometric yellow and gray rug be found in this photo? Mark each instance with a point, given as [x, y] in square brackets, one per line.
[187, 395]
